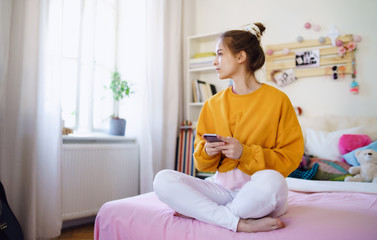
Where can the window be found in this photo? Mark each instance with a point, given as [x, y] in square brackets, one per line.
[88, 57]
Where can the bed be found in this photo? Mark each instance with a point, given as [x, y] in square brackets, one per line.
[319, 208]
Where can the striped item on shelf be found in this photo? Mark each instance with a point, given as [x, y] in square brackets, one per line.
[185, 149]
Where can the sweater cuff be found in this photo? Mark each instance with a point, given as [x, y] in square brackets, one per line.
[205, 155]
[248, 153]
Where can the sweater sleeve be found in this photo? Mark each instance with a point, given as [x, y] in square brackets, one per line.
[286, 153]
[202, 161]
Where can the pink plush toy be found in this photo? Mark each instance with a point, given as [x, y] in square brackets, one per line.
[350, 142]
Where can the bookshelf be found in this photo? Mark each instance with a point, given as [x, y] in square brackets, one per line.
[200, 54]
[200, 57]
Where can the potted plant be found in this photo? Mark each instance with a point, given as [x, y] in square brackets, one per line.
[121, 89]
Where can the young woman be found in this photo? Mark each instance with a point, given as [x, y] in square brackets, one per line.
[261, 143]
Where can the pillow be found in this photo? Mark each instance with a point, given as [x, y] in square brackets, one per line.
[350, 142]
[350, 157]
[324, 144]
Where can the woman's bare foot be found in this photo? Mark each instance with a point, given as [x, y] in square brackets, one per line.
[177, 214]
[259, 225]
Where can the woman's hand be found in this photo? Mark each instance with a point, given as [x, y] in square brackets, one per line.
[232, 148]
[213, 148]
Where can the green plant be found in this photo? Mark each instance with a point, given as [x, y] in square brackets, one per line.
[121, 89]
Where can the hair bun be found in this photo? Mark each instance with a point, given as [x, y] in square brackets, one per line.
[256, 29]
[261, 27]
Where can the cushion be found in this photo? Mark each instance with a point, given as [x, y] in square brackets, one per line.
[350, 157]
[323, 144]
[350, 142]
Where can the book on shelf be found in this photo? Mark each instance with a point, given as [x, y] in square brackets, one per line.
[202, 62]
[213, 89]
[194, 92]
[204, 54]
[185, 148]
[202, 90]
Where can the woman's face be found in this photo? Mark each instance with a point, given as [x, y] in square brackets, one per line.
[225, 62]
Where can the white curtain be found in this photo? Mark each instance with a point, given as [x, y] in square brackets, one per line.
[30, 122]
[150, 55]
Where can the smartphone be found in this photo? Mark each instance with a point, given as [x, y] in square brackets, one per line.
[211, 137]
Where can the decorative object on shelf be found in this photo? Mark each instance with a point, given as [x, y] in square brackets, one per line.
[286, 51]
[316, 27]
[300, 39]
[354, 86]
[283, 78]
[67, 131]
[357, 38]
[339, 43]
[121, 89]
[298, 110]
[269, 52]
[341, 51]
[321, 39]
[333, 35]
[343, 48]
[336, 72]
[308, 58]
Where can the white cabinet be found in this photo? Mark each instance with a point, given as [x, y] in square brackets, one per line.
[200, 68]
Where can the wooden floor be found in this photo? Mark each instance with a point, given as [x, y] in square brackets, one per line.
[82, 232]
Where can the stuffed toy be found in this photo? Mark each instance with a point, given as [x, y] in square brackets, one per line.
[367, 171]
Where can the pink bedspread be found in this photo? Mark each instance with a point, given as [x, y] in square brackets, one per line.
[310, 216]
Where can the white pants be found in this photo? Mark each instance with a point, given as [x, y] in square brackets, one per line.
[265, 194]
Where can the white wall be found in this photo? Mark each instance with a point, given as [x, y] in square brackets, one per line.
[284, 21]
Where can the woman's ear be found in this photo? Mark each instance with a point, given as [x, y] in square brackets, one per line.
[241, 57]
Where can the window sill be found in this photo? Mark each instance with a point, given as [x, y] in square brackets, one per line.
[96, 138]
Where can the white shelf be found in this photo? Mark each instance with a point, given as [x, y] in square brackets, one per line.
[196, 104]
[203, 69]
[96, 138]
[207, 72]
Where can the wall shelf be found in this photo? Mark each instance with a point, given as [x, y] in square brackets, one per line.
[328, 57]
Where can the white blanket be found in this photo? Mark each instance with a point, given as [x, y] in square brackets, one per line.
[301, 185]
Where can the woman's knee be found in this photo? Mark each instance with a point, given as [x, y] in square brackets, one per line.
[271, 179]
[266, 191]
[162, 182]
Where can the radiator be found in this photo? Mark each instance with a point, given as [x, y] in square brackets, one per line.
[94, 173]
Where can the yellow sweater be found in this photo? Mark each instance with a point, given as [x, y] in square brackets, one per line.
[264, 121]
